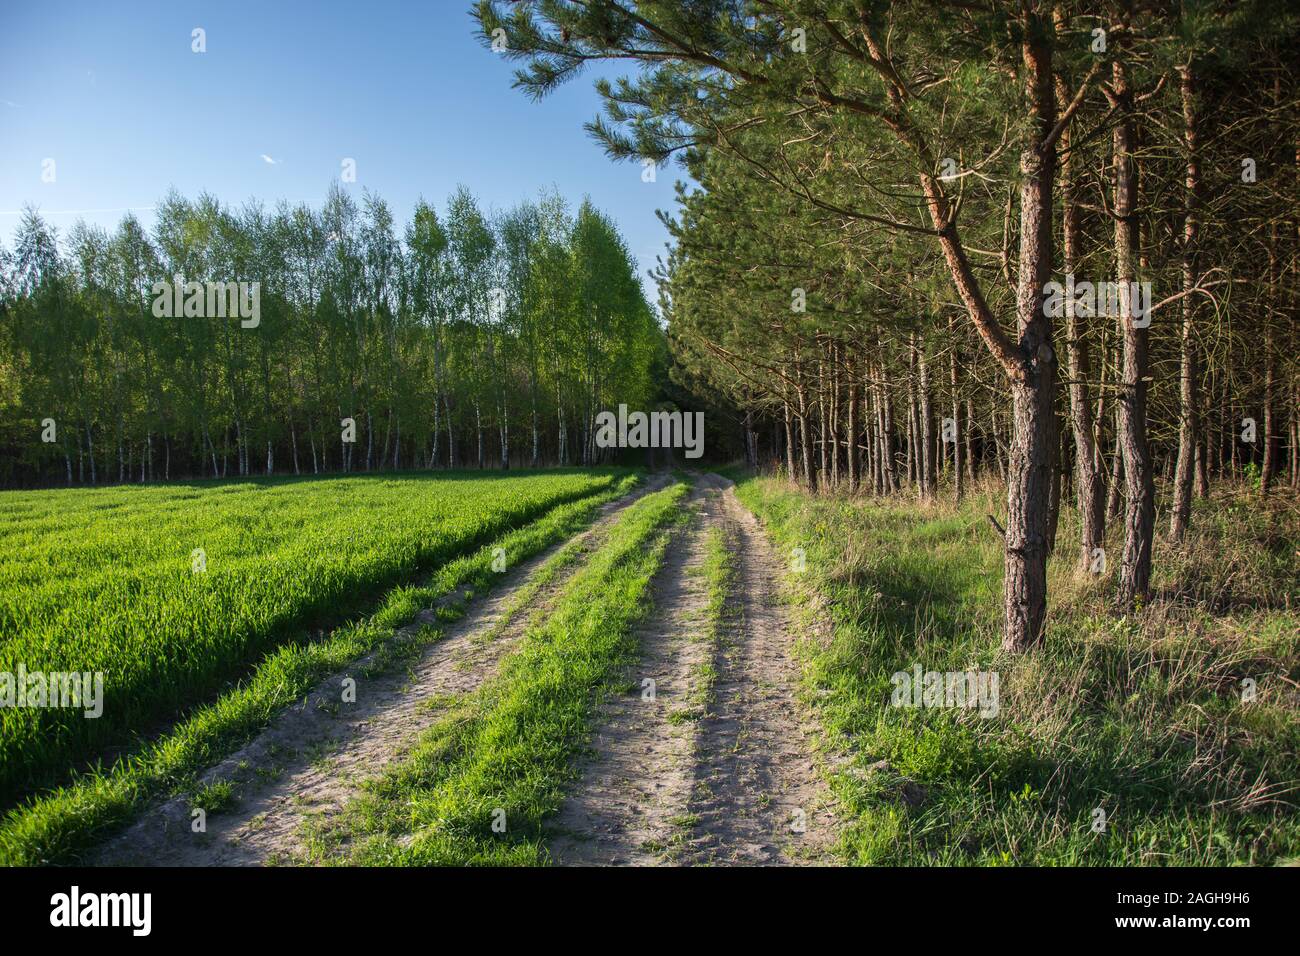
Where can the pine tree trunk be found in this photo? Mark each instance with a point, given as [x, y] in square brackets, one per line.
[914, 455]
[1139, 513]
[789, 442]
[929, 469]
[968, 438]
[851, 442]
[887, 441]
[1057, 480]
[1188, 422]
[957, 475]
[1269, 468]
[821, 420]
[1033, 390]
[1091, 487]
[806, 444]
[833, 432]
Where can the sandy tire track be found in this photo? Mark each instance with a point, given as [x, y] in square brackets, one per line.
[314, 756]
[758, 798]
[738, 786]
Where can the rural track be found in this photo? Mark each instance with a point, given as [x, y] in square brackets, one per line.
[303, 769]
[738, 786]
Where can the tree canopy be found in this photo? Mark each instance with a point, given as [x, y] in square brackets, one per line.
[473, 338]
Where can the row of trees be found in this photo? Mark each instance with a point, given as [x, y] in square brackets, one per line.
[472, 339]
[887, 192]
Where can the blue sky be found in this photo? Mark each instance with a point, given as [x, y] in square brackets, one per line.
[112, 92]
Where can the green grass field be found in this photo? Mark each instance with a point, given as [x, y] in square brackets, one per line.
[1144, 717]
[108, 580]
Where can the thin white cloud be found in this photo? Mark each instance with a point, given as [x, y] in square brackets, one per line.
[268, 160]
[11, 103]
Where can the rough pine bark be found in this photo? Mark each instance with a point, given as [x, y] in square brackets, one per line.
[1139, 486]
[1032, 389]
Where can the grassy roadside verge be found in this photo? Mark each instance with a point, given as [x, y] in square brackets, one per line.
[1142, 717]
[55, 827]
[478, 785]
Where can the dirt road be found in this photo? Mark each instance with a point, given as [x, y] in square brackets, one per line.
[674, 775]
[737, 786]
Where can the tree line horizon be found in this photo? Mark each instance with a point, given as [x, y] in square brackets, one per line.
[471, 340]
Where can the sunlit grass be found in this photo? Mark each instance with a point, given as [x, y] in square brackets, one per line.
[1141, 716]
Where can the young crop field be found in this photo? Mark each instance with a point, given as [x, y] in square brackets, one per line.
[170, 592]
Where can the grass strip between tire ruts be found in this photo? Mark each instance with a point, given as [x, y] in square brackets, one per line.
[477, 787]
